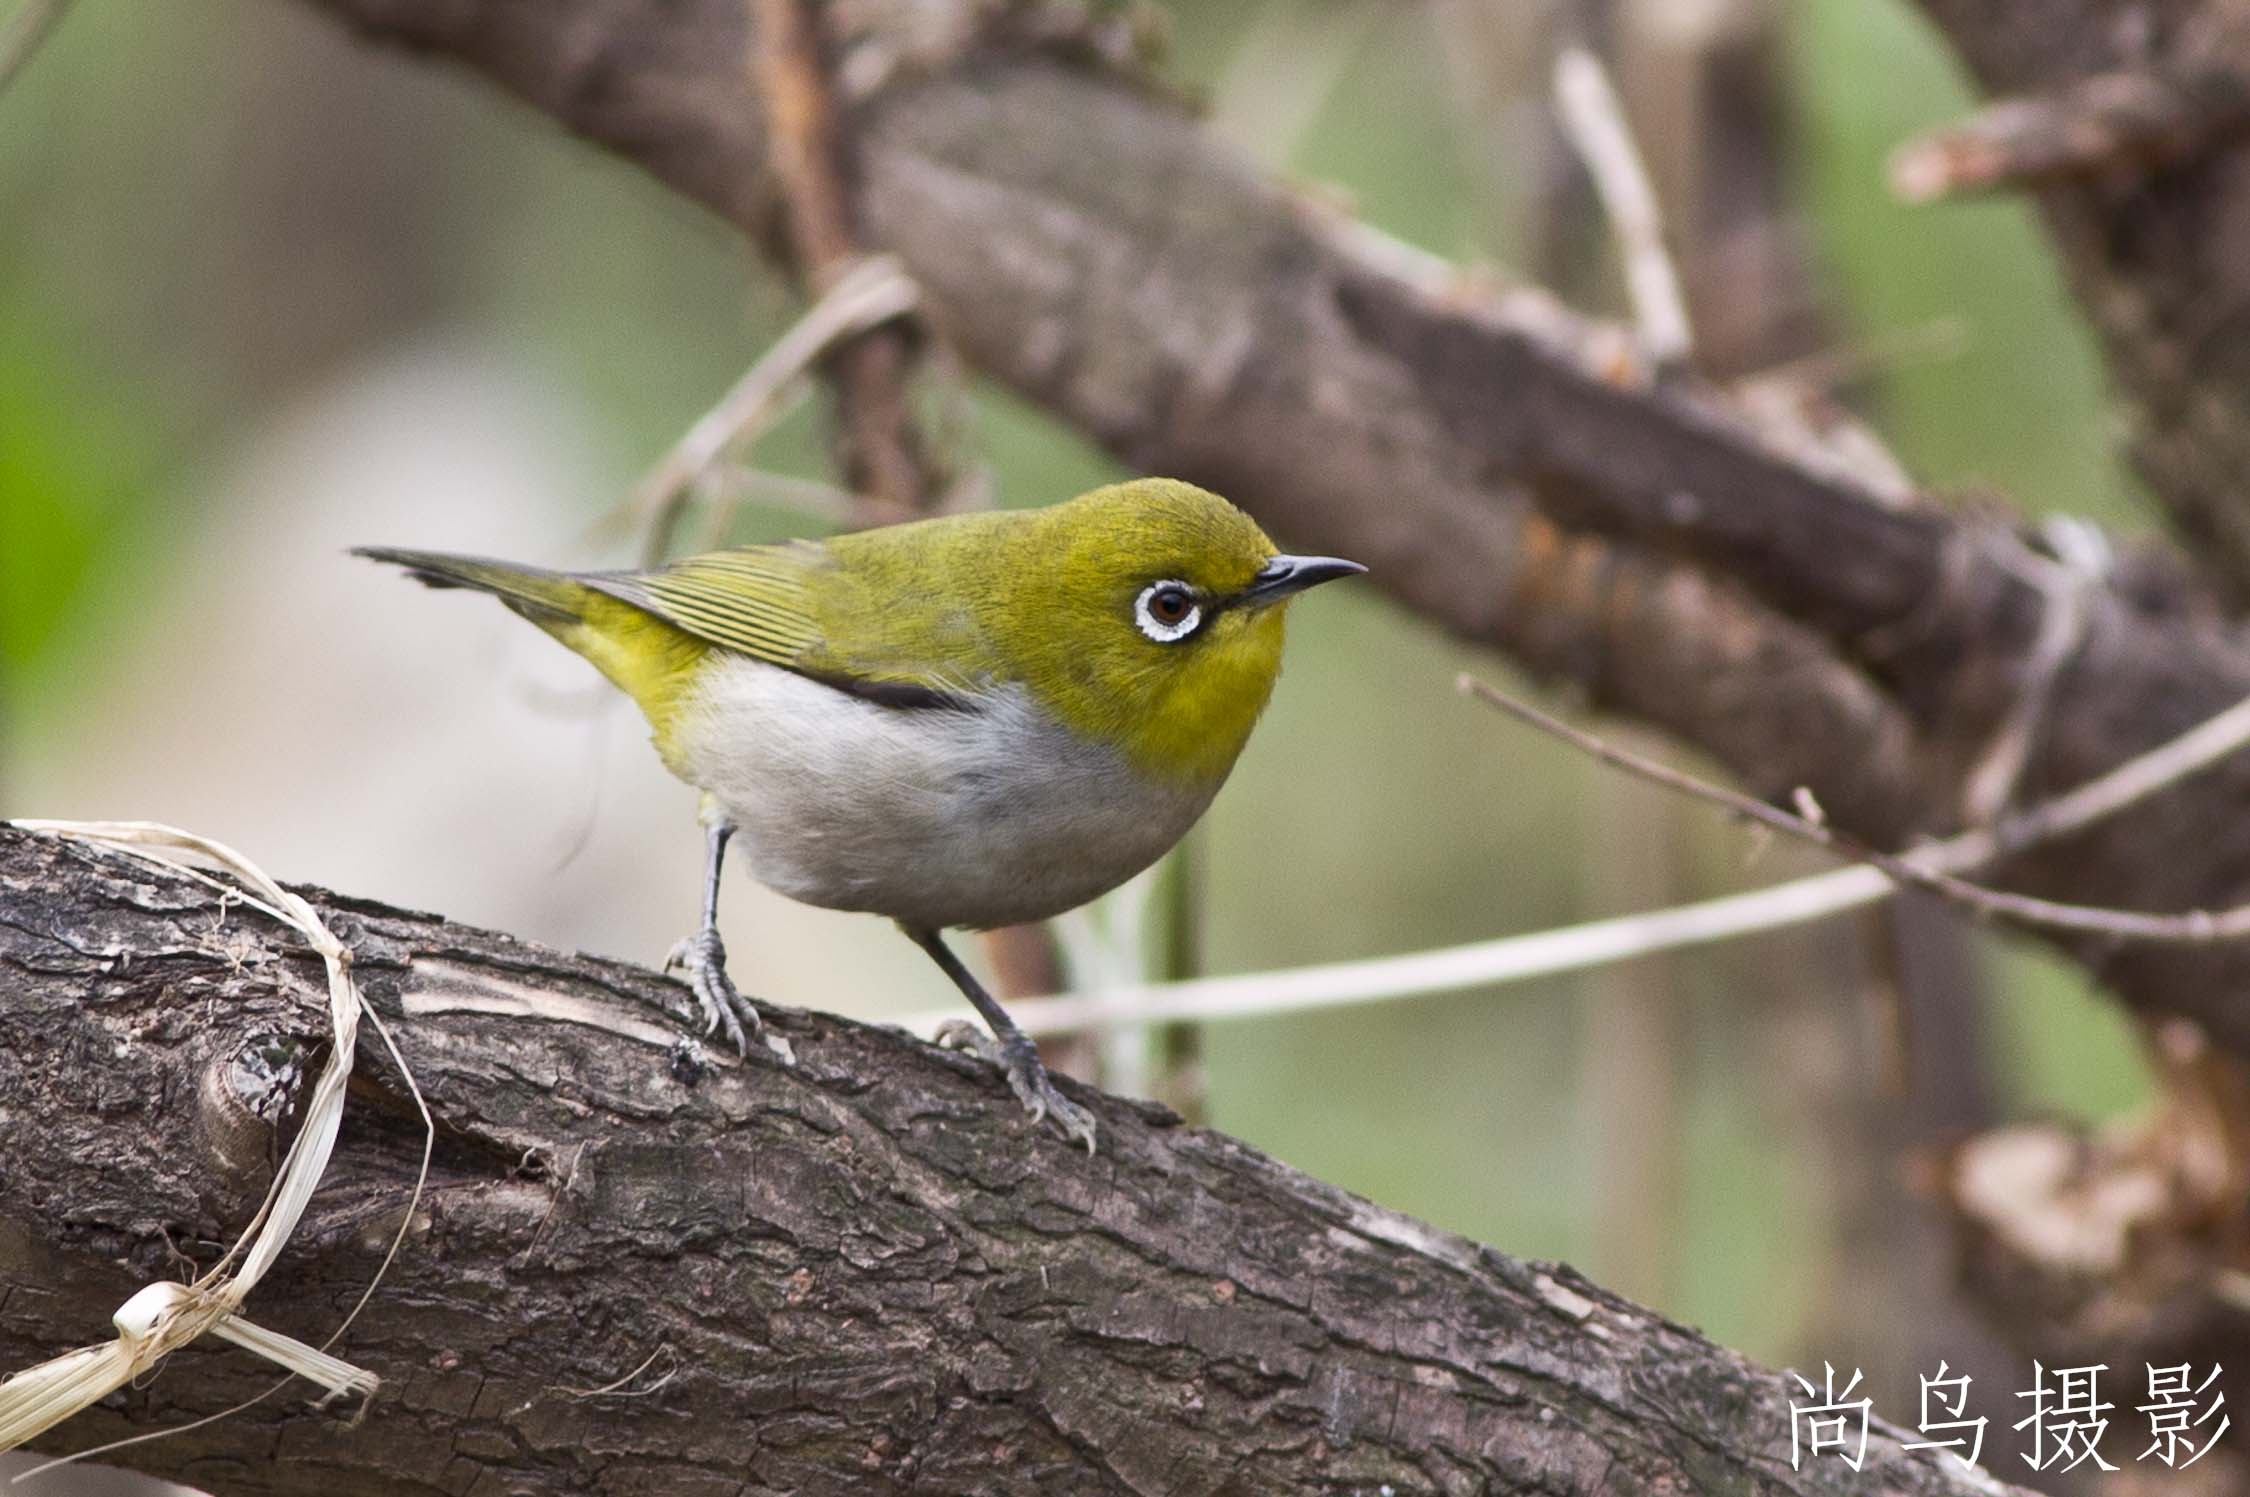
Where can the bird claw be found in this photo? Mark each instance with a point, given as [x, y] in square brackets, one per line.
[702, 958]
[1018, 1059]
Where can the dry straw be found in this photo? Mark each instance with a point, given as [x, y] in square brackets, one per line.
[164, 1317]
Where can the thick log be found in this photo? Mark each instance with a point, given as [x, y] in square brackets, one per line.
[869, 1273]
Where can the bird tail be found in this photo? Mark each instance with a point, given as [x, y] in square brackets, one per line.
[652, 660]
[552, 600]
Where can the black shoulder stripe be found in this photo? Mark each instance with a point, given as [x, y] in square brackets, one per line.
[905, 695]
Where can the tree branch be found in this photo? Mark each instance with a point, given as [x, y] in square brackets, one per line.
[867, 1273]
[2137, 121]
[881, 452]
[1080, 238]
[2153, 247]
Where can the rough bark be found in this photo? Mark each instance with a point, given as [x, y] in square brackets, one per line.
[2155, 248]
[2128, 121]
[868, 1273]
[1081, 238]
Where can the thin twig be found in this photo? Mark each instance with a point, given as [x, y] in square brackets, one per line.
[2194, 927]
[823, 503]
[1989, 786]
[884, 460]
[1451, 969]
[1596, 943]
[2136, 119]
[1829, 371]
[25, 32]
[869, 294]
[1594, 120]
[2135, 780]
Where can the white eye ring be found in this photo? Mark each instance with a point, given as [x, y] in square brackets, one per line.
[1163, 631]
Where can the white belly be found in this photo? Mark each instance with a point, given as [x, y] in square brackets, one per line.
[935, 818]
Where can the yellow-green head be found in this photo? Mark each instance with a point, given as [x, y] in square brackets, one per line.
[1149, 616]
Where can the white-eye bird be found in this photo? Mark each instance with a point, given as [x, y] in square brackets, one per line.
[971, 721]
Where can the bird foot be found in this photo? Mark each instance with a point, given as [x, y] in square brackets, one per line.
[1018, 1059]
[702, 959]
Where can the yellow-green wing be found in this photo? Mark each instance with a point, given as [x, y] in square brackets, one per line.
[784, 604]
[754, 599]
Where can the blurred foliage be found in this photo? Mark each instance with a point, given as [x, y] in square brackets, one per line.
[71, 466]
[184, 252]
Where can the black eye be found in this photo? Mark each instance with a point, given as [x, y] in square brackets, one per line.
[1170, 604]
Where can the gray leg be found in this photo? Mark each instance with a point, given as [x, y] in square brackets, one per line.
[1007, 1046]
[702, 957]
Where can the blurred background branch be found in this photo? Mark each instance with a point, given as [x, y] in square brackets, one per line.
[1265, 349]
[22, 32]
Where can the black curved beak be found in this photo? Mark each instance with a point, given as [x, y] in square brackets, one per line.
[1286, 576]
